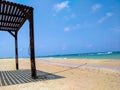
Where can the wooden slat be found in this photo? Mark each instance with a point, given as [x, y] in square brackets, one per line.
[23, 21]
[15, 22]
[8, 26]
[7, 29]
[12, 15]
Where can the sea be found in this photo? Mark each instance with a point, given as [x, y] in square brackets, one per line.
[97, 55]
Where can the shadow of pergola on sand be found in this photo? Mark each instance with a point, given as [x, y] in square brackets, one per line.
[24, 76]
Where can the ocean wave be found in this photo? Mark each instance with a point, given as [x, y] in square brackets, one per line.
[104, 53]
[64, 58]
[91, 54]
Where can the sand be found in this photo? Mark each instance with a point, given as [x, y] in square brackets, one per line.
[83, 74]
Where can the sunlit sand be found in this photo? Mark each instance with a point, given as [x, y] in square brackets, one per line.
[83, 74]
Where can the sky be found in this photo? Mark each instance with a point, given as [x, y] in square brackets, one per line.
[67, 27]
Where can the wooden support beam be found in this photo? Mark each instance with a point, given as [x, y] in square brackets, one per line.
[32, 52]
[23, 21]
[12, 33]
[7, 29]
[16, 50]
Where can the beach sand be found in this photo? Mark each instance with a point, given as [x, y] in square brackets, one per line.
[83, 74]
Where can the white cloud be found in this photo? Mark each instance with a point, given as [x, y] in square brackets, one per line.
[101, 19]
[109, 14]
[60, 6]
[95, 7]
[71, 16]
[74, 27]
[67, 29]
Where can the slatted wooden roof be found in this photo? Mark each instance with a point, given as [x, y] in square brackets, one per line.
[12, 15]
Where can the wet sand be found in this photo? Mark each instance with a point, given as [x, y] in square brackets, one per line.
[83, 74]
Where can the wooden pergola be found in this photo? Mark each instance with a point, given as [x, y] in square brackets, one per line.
[12, 17]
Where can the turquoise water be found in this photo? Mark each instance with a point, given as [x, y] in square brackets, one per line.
[100, 55]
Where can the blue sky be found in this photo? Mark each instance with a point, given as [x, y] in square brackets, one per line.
[67, 27]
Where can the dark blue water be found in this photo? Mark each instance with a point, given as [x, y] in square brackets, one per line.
[100, 55]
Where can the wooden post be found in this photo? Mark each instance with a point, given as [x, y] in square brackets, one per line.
[16, 50]
[32, 52]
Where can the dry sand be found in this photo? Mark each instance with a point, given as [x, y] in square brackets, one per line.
[84, 74]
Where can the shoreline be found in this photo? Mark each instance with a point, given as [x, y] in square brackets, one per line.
[84, 64]
[88, 75]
